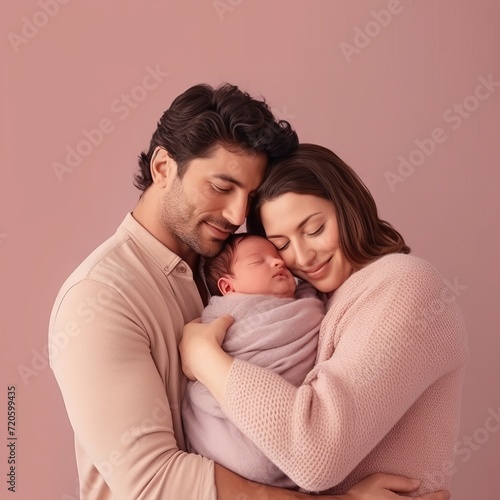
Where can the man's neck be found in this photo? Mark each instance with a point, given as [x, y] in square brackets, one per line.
[147, 216]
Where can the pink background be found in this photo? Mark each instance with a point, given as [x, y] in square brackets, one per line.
[369, 104]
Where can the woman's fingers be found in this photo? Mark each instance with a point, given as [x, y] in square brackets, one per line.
[439, 495]
[198, 340]
[220, 326]
[217, 328]
[383, 487]
[392, 482]
[387, 487]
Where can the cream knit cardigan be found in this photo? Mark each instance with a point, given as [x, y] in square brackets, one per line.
[385, 393]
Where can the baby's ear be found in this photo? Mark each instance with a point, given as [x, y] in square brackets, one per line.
[225, 285]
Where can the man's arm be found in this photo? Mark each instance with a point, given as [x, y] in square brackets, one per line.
[375, 487]
[117, 403]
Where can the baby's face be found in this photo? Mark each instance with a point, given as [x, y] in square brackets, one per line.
[258, 269]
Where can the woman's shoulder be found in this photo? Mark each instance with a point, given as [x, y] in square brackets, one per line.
[396, 271]
[395, 275]
[399, 265]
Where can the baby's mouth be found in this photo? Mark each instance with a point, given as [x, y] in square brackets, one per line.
[280, 273]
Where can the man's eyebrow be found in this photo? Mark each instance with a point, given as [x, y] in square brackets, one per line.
[228, 178]
[300, 226]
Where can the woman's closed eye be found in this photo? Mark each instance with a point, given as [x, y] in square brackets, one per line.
[318, 231]
[282, 247]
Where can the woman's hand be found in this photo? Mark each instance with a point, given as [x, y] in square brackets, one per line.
[383, 487]
[202, 357]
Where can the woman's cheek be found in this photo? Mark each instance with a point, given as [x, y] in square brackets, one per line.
[287, 260]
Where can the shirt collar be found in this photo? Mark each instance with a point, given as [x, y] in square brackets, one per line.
[159, 253]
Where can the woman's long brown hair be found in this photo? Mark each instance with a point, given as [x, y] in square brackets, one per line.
[315, 170]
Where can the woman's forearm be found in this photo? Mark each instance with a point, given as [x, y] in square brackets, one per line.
[202, 357]
[213, 371]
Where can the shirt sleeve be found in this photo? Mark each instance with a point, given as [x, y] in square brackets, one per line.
[396, 340]
[116, 399]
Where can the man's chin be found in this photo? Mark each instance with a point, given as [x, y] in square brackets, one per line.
[211, 248]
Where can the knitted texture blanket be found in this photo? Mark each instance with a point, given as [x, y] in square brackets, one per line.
[280, 334]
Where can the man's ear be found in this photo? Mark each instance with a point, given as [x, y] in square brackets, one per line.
[163, 168]
[225, 285]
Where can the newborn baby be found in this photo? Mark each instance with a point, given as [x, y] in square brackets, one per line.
[276, 325]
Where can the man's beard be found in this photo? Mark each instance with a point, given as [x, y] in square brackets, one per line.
[177, 217]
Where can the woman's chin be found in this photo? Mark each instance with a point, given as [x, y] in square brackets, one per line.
[325, 288]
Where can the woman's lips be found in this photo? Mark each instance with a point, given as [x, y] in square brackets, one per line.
[317, 271]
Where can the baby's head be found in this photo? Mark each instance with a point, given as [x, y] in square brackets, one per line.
[248, 264]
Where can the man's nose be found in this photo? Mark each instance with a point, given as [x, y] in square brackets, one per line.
[236, 210]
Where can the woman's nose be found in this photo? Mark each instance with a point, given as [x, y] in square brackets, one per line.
[303, 256]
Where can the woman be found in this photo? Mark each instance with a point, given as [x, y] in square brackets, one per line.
[385, 392]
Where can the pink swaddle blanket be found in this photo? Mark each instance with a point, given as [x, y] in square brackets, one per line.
[276, 333]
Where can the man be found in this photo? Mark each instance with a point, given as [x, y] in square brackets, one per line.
[123, 309]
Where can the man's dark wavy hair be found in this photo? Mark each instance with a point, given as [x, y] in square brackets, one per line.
[203, 118]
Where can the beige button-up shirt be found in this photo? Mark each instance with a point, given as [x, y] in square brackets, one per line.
[113, 337]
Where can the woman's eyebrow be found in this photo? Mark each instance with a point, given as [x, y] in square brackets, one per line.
[300, 226]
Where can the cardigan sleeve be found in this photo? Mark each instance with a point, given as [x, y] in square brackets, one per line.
[397, 337]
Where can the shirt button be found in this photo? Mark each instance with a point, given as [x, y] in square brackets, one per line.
[181, 268]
